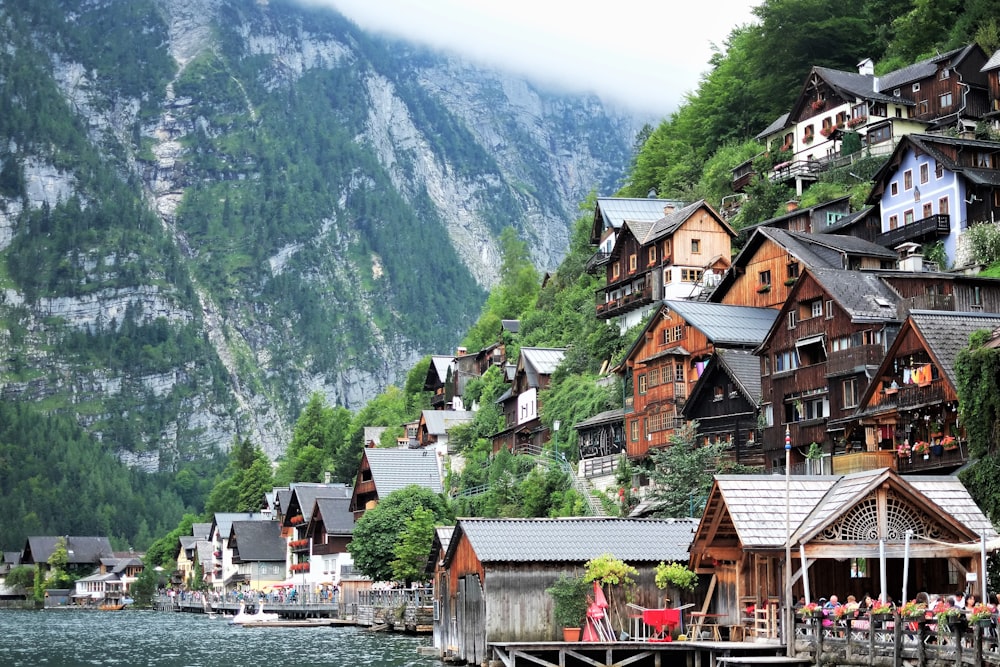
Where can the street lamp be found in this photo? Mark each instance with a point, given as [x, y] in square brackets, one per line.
[789, 614]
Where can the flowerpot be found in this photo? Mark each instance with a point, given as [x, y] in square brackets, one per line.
[572, 634]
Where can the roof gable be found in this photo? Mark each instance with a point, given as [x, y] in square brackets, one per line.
[393, 469]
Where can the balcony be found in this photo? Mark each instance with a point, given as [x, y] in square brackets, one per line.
[946, 460]
[926, 229]
[853, 360]
[597, 262]
[299, 545]
[641, 295]
[908, 397]
[845, 464]
[300, 567]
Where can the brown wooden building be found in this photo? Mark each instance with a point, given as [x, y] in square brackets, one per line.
[490, 583]
[764, 272]
[521, 405]
[848, 536]
[669, 355]
[912, 397]
[384, 470]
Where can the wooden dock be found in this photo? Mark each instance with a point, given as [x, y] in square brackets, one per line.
[632, 653]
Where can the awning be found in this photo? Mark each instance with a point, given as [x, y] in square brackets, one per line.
[817, 339]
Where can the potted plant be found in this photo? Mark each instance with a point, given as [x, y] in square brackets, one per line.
[609, 573]
[981, 614]
[934, 427]
[569, 604]
[913, 610]
[921, 448]
[675, 575]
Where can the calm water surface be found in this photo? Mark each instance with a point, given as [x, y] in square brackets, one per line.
[165, 639]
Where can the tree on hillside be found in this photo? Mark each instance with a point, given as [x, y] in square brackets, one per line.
[162, 551]
[379, 530]
[242, 485]
[319, 432]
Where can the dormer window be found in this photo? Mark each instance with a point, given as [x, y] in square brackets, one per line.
[945, 73]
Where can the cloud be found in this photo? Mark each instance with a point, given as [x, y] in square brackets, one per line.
[641, 54]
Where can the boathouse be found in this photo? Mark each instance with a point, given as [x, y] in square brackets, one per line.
[849, 535]
[490, 584]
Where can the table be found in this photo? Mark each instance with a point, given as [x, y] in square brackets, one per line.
[710, 622]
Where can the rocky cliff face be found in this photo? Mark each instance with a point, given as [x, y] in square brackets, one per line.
[273, 291]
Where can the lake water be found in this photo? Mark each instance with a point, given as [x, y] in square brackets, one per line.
[64, 638]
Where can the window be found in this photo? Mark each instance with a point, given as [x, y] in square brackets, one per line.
[945, 100]
[831, 218]
[678, 332]
[786, 361]
[879, 134]
[719, 394]
[642, 384]
[653, 377]
[829, 309]
[938, 169]
[908, 217]
[616, 271]
[851, 393]
[765, 277]
[945, 73]
[666, 248]
[916, 87]
[925, 172]
[928, 210]
[922, 107]
[817, 308]
[896, 92]
[859, 568]
[666, 336]
[634, 430]
[678, 372]
[893, 221]
[691, 275]
[695, 246]
[908, 180]
[668, 276]
[894, 188]
[652, 255]
[983, 159]
[765, 364]
[632, 262]
[793, 319]
[943, 206]
[793, 270]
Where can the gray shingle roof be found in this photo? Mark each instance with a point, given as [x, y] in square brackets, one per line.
[724, 324]
[852, 85]
[439, 365]
[82, 550]
[922, 69]
[780, 123]
[439, 422]
[337, 516]
[201, 530]
[947, 333]
[304, 496]
[743, 366]
[820, 499]
[577, 539]
[393, 469]
[862, 295]
[259, 540]
[224, 520]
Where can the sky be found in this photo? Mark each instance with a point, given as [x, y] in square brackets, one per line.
[645, 55]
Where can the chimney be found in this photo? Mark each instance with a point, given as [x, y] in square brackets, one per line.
[326, 477]
[461, 352]
[791, 205]
[910, 257]
[668, 209]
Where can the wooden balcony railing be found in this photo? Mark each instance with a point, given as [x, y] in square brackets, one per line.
[641, 295]
[853, 359]
[921, 230]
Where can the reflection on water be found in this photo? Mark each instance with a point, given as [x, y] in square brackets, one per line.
[67, 637]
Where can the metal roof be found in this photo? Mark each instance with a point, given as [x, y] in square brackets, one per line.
[576, 539]
[539, 361]
[439, 422]
[724, 324]
[393, 469]
[615, 210]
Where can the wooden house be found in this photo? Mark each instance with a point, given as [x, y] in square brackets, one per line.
[260, 555]
[602, 435]
[433, 427]
[490, 583]
[83, 553]
[851, 534]
[297, 512]
[769, 264]
[671, 258]
[912, 397]
[815, 361]
[668, 356]
[331, 526]
[725, 403]
[521, 406]
[384, 470]
[933, 187]
[440, 381]
[948, 90]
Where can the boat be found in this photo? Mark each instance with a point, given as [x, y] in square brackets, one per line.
[260, 616]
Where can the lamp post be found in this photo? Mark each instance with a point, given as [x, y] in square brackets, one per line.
[789, 613]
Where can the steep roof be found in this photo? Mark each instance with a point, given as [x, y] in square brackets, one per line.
[575, 539]
[724, 324]
[80, 550]
[224, 520]
[605, 417]
[337, 516]
[259, 540]
[393, 469]
[439, 422]
[947, 333]
[852, 85]
[438, 369]
[820, 498]
[612, 212]
[780, 123]
[743, 366]
[201, 530]
[922, 69]
[540, 361]
[862, 295]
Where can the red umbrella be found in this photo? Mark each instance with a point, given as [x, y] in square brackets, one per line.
[599, 598]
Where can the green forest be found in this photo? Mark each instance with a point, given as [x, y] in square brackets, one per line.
[751, 80]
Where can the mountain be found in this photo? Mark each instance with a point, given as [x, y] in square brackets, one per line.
[210, 209]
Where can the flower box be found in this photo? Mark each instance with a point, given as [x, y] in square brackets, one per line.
[763, 288]
[807, 139]
[858, 120]
[827, 131]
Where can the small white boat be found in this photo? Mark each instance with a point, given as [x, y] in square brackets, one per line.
[243, 618]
